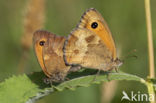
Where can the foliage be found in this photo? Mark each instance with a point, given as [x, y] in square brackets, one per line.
[31, 87]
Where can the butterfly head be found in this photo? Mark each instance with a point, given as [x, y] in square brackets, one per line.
[118, 62]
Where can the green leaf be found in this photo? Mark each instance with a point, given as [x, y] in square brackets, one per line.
[29, 88]
[17, 89]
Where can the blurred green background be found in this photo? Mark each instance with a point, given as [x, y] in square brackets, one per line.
[126, 20]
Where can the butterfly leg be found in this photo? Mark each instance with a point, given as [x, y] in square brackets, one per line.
[116, 69]
[98, 72]
[47, 80]
[57, 77]
[113, 68]
[108, 78]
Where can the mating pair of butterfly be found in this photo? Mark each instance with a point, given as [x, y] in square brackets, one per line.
[89, 45]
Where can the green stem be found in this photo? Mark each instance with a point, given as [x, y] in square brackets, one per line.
[150, 91]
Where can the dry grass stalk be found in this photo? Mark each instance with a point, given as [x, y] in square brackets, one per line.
[33, 20]
[108, 91]
[150, 39]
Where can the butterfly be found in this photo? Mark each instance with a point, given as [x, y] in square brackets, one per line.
[48, 49]
[91, 44]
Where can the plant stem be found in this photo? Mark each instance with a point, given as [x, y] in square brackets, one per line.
[108, 91]
[150, 39]
[150, 91]
[150, 48]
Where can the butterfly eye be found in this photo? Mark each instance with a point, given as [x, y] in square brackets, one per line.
[41, 43]
[94, 25]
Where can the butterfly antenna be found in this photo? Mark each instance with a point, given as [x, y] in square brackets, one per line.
[129, 55]
[98, 73]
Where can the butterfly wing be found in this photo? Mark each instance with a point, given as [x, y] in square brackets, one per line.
[86, 51]
[39, 38]
[90, 45]
[92, 16]
[53, 58]
[48, 49]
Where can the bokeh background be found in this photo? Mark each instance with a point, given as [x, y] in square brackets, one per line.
[126, 20]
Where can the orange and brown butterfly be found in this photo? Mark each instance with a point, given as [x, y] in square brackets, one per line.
[91, 44]
[48, 49]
